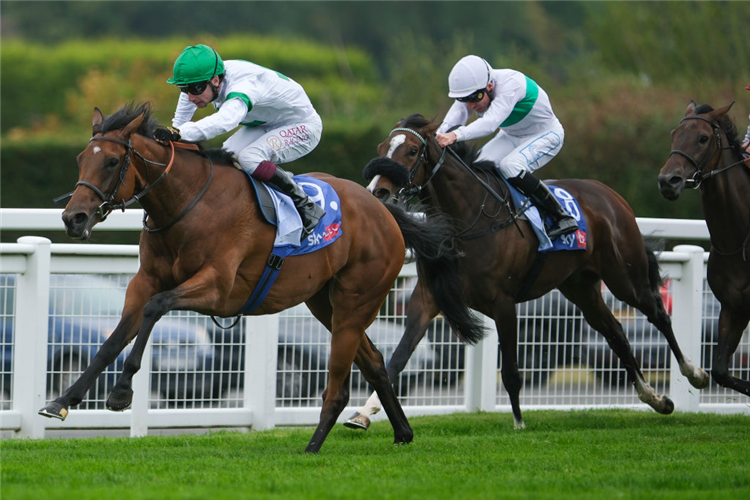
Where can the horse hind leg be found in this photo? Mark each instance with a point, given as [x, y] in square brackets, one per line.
[589, 300]
[370, 363]
[420, 312]
[646, 297]
[657, 316]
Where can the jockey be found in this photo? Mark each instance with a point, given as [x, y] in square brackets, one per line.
[530, 134]
[278, 123]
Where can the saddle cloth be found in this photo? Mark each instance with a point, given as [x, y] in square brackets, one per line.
[279, 210]
[572, 241]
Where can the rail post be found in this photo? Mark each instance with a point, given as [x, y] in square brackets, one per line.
[687, 323]
[30, 342]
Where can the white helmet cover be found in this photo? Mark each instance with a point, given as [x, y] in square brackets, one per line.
[470, 74]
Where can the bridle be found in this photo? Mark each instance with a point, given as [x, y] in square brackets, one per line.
[108, 204]
[416, 189]
[412, 189]
[699, 176]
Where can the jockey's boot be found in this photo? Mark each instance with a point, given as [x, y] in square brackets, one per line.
[562, 221]
[310, 212]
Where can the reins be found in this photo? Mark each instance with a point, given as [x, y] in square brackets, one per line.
[108, 204]
[699, 176]
[416, 189]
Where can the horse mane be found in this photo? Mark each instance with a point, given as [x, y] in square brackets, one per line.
[727, 125]
[466, 151]
[120, 118]
[131, 111]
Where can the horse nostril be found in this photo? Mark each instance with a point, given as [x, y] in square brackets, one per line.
[77, 220]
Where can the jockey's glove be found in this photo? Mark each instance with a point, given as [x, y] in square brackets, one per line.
[165, 135]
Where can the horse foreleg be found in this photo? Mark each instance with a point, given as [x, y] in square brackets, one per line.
[126, 329]
[731, 327]
[107, 354]
[507, 326]
[121, 395]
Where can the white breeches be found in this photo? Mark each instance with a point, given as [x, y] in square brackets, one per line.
[515, 154]
[278, 144]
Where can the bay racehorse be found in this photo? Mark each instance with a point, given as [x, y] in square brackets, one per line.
[205, 245]
[707, 155]
[501, 264]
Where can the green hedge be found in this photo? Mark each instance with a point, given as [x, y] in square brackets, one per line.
[69, 79]
[34, 172]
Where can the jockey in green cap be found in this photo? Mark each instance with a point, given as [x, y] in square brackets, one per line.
[277, 122]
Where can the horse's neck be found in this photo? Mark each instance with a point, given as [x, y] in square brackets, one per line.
[725, 207]
[174, 190]
[455, 191]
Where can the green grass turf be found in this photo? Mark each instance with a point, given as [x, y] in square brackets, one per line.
[579, 454]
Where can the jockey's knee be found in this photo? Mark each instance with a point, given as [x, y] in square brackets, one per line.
[510, 167]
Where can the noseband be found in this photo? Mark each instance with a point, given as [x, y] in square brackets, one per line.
[699, 175]
[108, 204]
[416, 189]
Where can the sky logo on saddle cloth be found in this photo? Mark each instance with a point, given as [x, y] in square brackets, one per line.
[572, 241]
[289, 227]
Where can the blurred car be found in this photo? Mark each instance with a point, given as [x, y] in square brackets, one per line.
[648, 344]
[83, 312]
[303, 353]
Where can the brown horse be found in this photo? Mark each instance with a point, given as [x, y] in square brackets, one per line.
[205, 245]
[707, 155]
[501, 265]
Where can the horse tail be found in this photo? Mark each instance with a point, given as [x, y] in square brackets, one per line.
[438, 263]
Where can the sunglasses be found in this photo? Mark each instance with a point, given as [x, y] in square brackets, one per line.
[196, 88]
[474, 97]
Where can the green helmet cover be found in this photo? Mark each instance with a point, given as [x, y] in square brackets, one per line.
[197, 63]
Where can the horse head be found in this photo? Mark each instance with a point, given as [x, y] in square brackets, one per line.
[697, 144]
[105, 180]
[397, 169]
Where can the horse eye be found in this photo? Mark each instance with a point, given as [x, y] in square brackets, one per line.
[413, 151]
[703, 139]
[112, 163]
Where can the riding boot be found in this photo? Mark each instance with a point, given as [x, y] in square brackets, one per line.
[562, 221]
[310, 212]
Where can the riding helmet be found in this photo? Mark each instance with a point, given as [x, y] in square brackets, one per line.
[470, 74]
[197, 63]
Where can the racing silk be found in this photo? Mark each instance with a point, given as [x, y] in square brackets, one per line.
[519, 106]
[250, 95]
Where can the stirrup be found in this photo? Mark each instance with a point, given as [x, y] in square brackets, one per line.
[564, 226]
[311, 217]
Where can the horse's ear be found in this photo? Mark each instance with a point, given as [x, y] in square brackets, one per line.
[690, 108]
[96, 121]
[131, 127]
[719, 113]
[431, 128]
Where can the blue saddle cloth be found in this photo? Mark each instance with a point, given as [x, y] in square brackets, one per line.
[572, 241]
[279, 211]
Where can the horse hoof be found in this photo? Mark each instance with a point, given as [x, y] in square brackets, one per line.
[120, 400]
[358, 421]
[667, 406]
[54, 410]
[701, 381]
